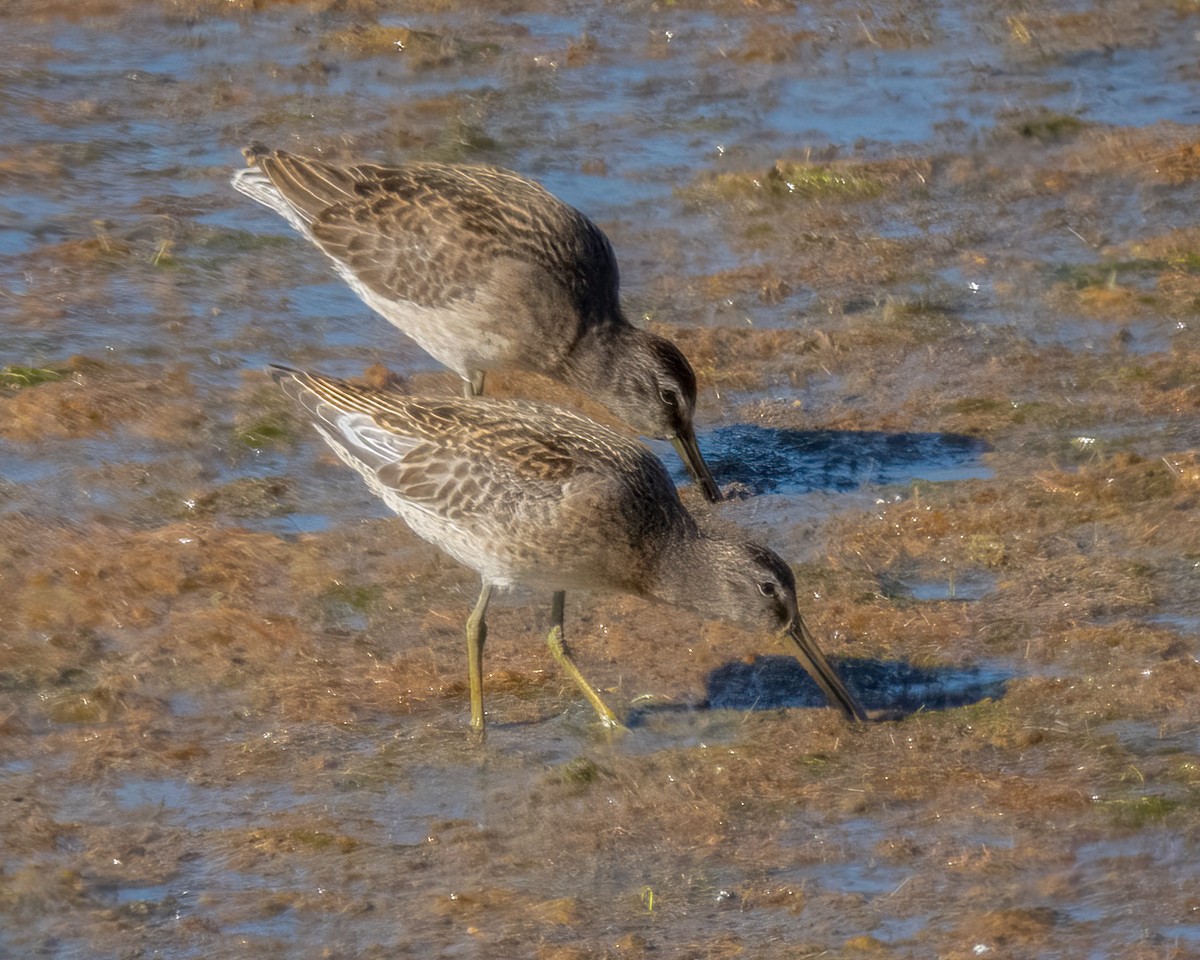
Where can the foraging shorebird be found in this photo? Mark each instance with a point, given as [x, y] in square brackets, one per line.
[531, 494]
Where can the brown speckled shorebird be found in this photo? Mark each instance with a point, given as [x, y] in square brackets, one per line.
[487, 271]
[531, 494]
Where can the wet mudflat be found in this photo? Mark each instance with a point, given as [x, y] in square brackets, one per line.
[939, 274]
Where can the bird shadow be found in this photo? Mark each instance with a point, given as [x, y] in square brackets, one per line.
[787, 461]
[892, 687]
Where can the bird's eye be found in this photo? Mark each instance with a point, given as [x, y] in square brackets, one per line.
[669, 397]
[767, 589]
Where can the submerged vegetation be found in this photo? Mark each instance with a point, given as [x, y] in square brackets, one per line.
[20, 378]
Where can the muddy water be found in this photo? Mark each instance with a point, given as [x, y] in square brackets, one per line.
[938, 270]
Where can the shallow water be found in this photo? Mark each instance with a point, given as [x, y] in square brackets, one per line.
[950, 375]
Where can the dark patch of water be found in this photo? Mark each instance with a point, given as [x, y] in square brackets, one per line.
[770, 460]
[775, 682]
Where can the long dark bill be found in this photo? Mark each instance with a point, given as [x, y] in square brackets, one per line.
[689, 452]
[813, 660]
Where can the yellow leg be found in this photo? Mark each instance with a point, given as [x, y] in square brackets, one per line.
[476, 635]
[558, 649]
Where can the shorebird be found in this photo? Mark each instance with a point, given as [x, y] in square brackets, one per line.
[487, 270]
[531, 494]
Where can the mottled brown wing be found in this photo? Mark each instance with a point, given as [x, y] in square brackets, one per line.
[471, 457]
[434, 234]
[310, 186]
[466, 468]
[421, 255]
[459, 487]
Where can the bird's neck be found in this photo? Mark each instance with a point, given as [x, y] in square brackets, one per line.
[688, 571]
[595, 358]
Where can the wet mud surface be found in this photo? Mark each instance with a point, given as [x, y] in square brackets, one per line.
[938, 269]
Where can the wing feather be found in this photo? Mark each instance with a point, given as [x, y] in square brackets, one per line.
[458, 459]
[435, 234]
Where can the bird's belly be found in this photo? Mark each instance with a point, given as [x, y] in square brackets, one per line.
[539, 557]
[457, 339]
[521, 331]
[475, 548]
